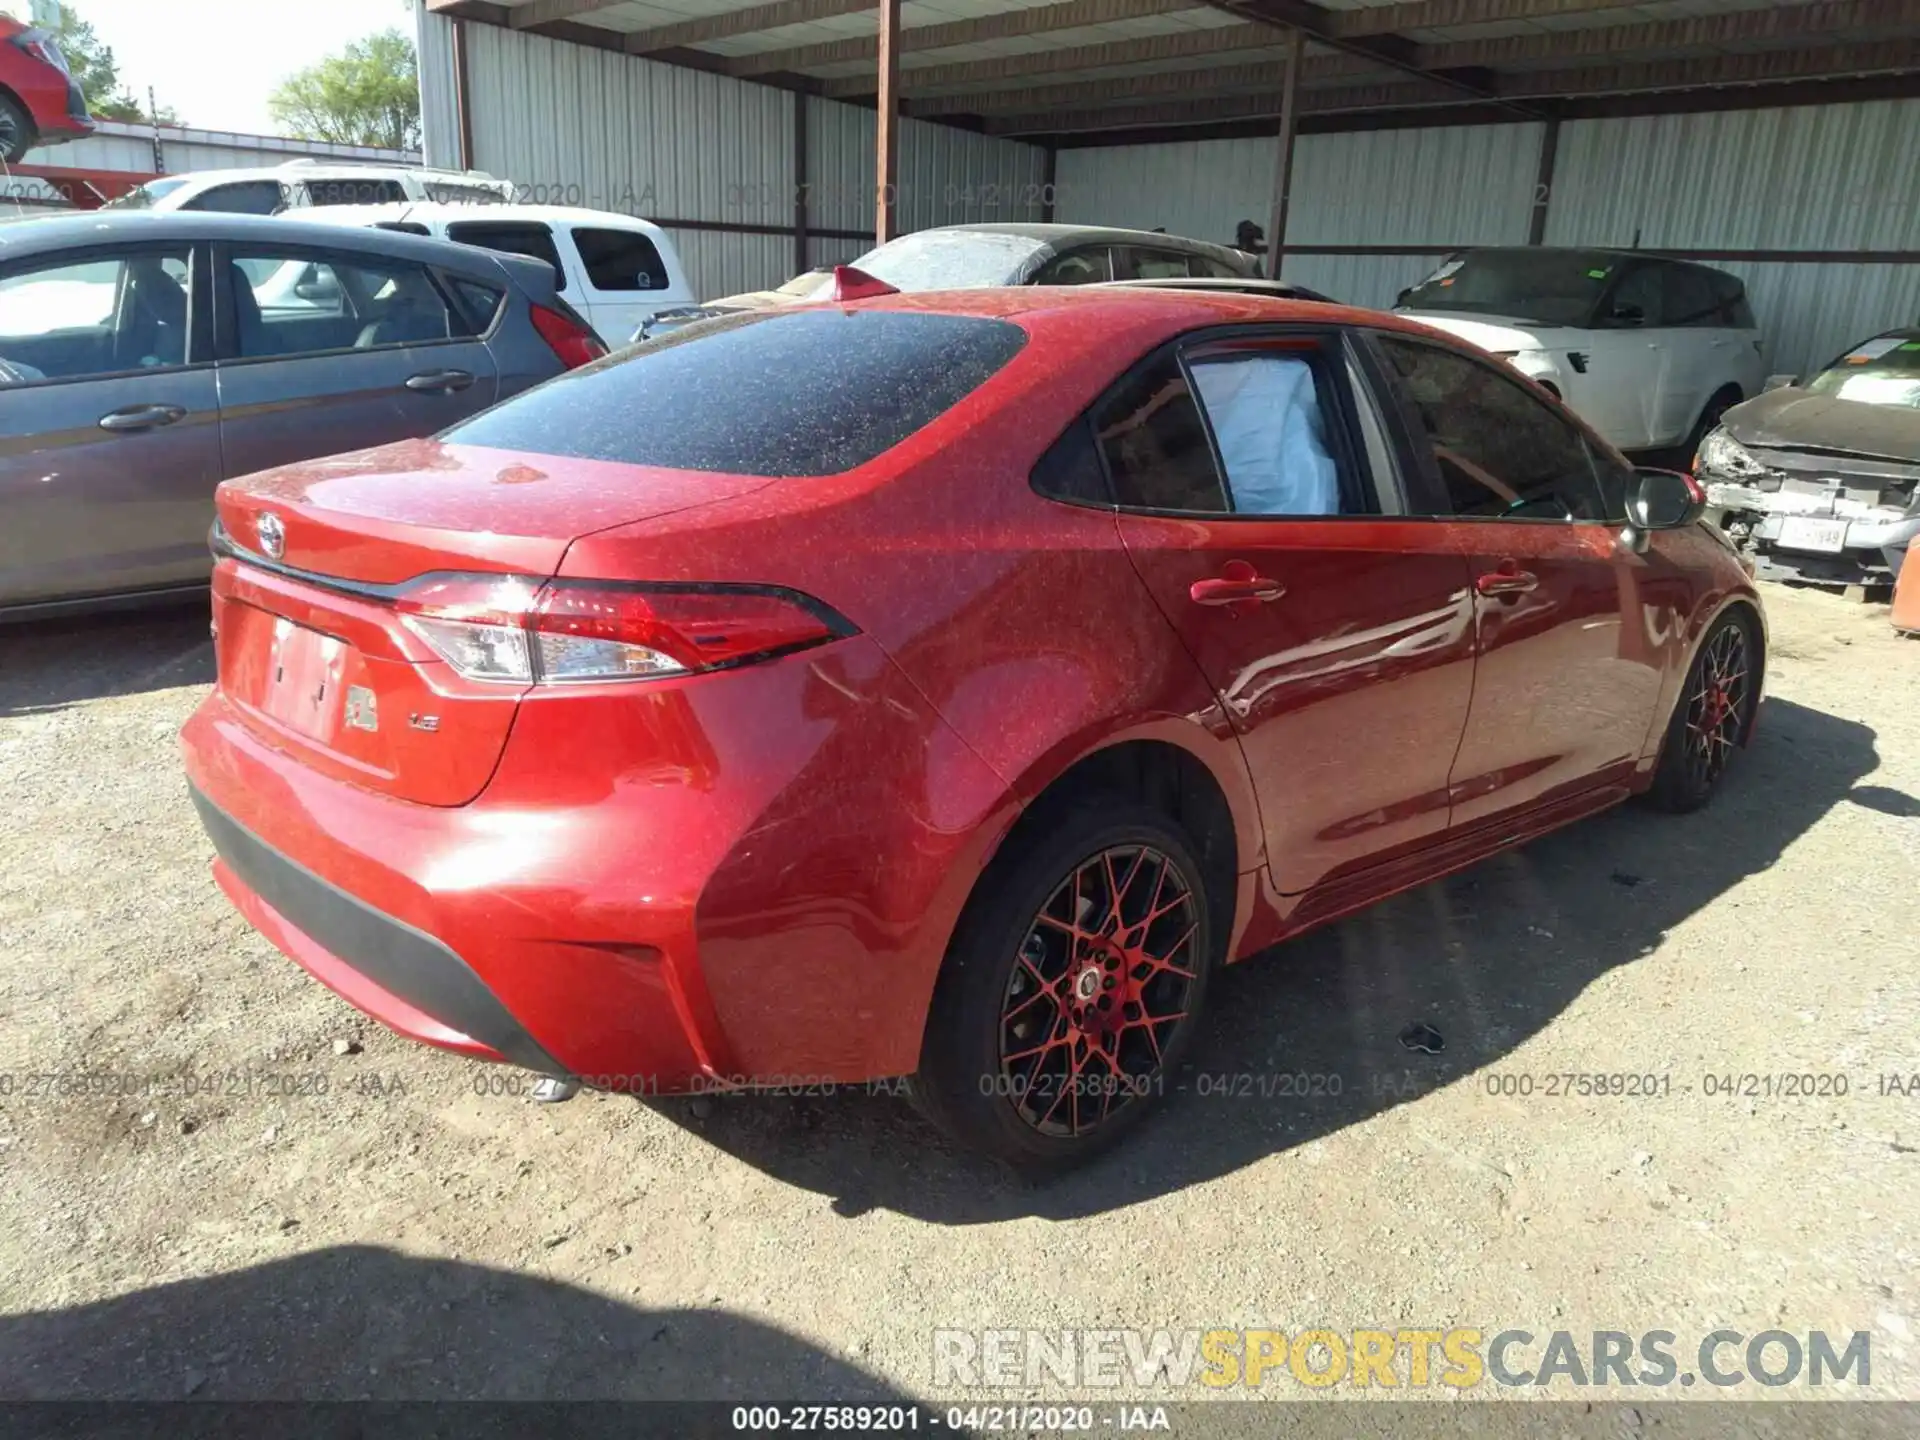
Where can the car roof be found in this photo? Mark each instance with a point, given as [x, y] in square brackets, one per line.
[1058, 234]
[1248, 284]
[392, 211]
[54, 233]
[1613, 250]
[1038, 306]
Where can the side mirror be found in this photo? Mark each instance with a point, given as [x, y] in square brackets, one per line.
[1659, 500]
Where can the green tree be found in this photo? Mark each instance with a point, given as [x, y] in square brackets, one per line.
[98, 74]
[368, 94]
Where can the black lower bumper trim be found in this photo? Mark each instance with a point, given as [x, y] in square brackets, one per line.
[395, 956]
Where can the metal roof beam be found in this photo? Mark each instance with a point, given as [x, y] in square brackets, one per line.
[1317, 22]
[1263, 79]
[1223, 39]
[1394, 95]
[1758, 76]
[1777, 22]
[1039, 20]
[742, 22]
[1440, 14]
[546, 12]
[1701, 72]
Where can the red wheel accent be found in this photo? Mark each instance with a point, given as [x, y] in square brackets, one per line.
[1717, 707]
[1099, 988]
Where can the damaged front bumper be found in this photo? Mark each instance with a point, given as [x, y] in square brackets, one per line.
[1821, 537]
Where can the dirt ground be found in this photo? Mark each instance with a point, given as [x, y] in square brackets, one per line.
[217, 1228]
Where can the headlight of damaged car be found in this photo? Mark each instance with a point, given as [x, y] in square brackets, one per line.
[1724, 455]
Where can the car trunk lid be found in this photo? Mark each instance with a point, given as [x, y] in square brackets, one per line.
[317, 560]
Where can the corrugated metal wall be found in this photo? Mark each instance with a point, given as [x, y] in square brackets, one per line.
[593, 127]
[581, 126]
[1463, 185]
[1812, 178]
[1831, 178]
[439, 100]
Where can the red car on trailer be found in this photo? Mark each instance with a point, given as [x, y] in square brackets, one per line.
[39, 102]
[938, 686]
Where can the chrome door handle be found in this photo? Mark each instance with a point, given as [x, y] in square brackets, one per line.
[141, 417]
[442, 381]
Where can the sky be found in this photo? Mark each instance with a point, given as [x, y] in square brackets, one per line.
[216, 61]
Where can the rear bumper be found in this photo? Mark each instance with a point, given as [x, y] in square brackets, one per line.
[401, 976]
[742, 879]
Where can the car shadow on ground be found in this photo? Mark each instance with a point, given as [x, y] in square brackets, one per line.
[359, 1322]
[51, 664]
[1489, 958]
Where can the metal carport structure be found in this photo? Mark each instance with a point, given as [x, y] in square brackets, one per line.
[1363, 137]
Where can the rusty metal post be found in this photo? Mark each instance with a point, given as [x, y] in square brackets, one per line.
[887, 130]
[1283, 152]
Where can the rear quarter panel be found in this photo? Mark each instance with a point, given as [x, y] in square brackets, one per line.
[1020, 622]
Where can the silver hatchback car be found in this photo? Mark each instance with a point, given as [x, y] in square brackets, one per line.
[144, 358]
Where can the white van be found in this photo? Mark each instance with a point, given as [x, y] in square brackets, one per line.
[299, 184]
[616, 270]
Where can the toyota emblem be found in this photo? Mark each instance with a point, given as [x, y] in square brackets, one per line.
[273, 537]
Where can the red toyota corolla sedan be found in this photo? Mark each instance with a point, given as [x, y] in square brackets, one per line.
[939, 686]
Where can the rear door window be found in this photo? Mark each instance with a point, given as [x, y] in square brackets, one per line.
[288, 302]
[812, 392]
[620, 259]
[1688, 296]
[1089, 265]
[1271, 429]
[1135, 262]
[515, 237]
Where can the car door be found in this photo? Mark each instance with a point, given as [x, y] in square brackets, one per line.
[624, 279]
[325, 350]
[1260, 503]
[1570, 657]
[109, 422]
[1625, 359]
[1701, 355]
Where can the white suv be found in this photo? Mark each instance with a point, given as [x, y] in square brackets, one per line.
[616, 270]
[302, 183]
[1647, 350]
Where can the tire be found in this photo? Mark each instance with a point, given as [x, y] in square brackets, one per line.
[1712, 718]
[16, 130]
[1044, 1012]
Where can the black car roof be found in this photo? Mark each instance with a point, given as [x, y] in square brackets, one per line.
[52, 234]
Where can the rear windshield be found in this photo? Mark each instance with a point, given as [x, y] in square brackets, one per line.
[812, 392]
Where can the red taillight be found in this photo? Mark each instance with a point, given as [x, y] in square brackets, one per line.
[573, 342]
[517, 630]
[852, 284]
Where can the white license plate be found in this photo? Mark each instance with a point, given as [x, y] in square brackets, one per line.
[1801, 532]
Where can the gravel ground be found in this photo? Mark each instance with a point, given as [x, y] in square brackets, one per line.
[225, 1232]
